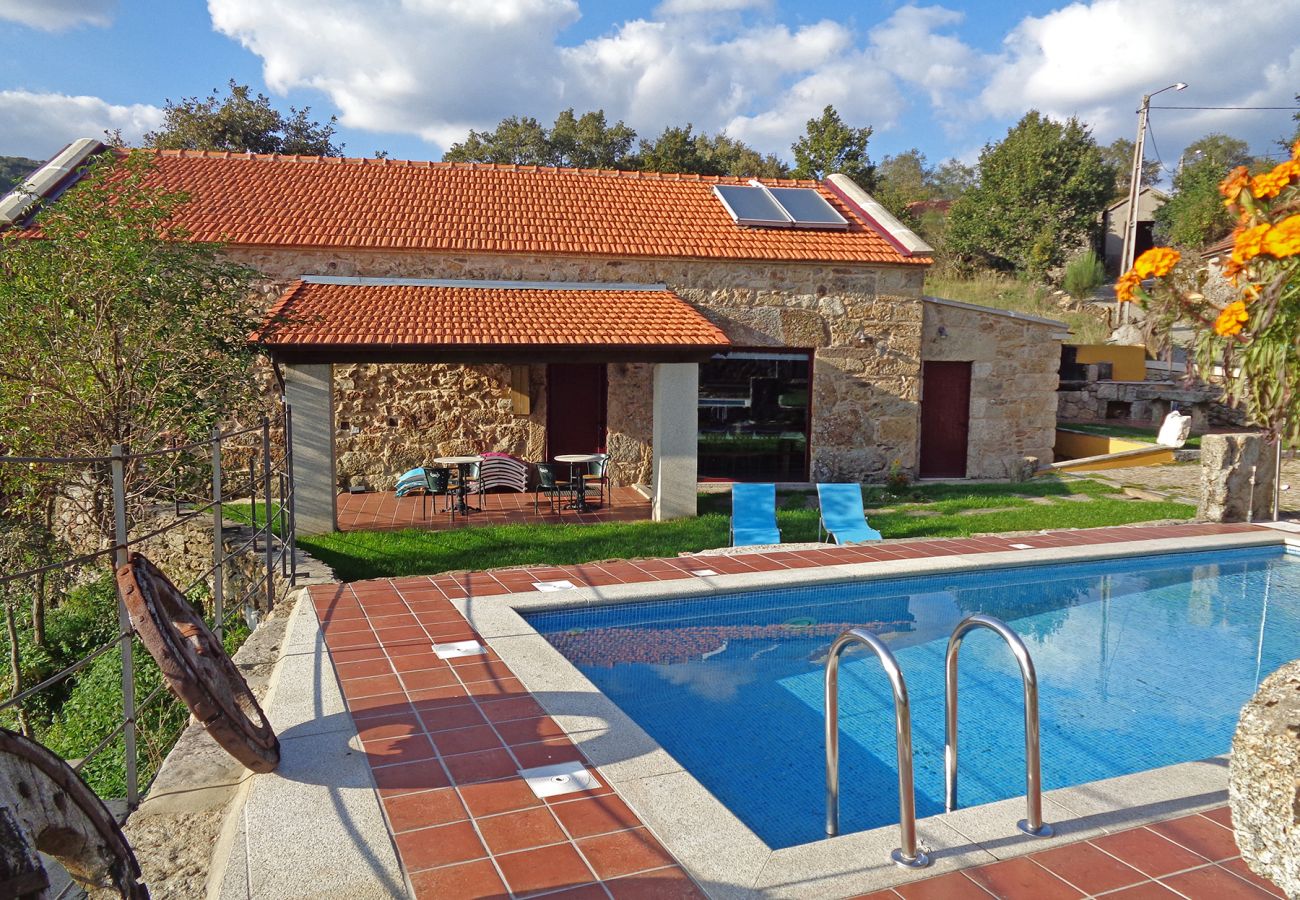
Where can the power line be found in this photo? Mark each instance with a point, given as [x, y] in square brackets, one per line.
[1156, 150]
[1291, 108]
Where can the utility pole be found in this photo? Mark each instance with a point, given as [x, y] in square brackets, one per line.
[1135, 187]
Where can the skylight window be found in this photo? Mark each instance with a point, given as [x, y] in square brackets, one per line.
[757, 205]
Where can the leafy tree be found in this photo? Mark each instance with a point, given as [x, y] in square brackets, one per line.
[1040, 190]
[115, 329]
[589, 142]
[13, 169]
[675, 150]
[1118, 155]
[952, 179]
[829, 146]
[725, 155]
[903, 179]
[1194, 214]
[242, 123]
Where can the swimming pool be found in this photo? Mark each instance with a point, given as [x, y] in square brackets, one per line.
[1142, 663]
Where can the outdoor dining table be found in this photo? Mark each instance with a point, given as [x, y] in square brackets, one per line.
[579, 501]
[462, 490]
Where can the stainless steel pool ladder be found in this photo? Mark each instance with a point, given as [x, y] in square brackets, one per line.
[907, 855]
[1033, 823]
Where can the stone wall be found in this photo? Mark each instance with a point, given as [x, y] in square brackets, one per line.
[863, 324]
[1146, 401]
[1014, 363]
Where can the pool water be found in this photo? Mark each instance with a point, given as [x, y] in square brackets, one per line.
[1142, 662]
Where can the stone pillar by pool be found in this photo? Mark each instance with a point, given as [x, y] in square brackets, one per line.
[309, 390]
[675, 442]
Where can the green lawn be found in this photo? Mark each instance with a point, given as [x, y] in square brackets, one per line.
[929, 510]
[1126, 431]
[1087, 326]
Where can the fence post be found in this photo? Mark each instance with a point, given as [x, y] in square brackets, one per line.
[120, 541]
[266, 492]
[218, 542]
[280, 519]
[288, 474]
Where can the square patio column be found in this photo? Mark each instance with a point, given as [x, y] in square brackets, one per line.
[309, 390]
[675, 440]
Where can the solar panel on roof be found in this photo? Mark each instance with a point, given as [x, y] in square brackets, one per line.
[808, 208]
[751, 205]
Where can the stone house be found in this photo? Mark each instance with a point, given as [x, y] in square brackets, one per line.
[1115, 217]
[692, 327]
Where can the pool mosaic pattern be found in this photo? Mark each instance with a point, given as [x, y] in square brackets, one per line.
[1141, 664]
[398, 716]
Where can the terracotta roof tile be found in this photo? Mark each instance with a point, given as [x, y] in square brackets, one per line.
[462, 315]
[293, 201]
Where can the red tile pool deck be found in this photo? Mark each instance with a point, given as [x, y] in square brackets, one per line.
[384, 510]
[446, 739]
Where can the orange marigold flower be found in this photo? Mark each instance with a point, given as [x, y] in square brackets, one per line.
[1157, 262]
[1250, 243]
[1126, 285]
[1283, 239]
[1270, 184]
[1231, 320]
[1234, 184]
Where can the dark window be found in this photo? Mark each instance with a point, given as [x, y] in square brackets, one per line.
[754, 416]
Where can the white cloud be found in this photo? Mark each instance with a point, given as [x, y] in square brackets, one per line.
[41, 124]
[436, 68]
[57, 15]
[1097, 59]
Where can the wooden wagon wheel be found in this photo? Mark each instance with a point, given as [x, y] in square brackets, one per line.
[45, 806]
[196, 666]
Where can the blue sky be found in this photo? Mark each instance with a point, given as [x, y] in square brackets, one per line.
[410, 76]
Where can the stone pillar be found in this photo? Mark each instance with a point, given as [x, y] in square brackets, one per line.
[1237, 476]
[675, 446]
[309, 390]
[1264, 780]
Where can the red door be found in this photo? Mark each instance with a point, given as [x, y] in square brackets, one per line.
[575, 408]
[945, 419]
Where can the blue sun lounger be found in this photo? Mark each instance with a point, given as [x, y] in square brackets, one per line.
[753, 515]
[842, 516]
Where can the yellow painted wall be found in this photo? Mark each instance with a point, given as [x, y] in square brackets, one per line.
[1077, 444]
[1128, 362]
[1096, 452]
[1156, 456]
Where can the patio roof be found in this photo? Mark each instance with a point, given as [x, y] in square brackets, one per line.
[345, 319]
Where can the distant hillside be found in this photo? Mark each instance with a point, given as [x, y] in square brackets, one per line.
[14, 169]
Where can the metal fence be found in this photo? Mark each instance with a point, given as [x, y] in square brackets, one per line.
[253, 466]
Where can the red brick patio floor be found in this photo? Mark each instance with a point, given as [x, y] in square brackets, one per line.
[446, 740]
[384, 510]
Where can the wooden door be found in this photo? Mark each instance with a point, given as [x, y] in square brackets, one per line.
[575, 408]
[945, 419]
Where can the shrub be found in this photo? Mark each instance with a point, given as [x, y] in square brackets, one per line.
[1083, 275]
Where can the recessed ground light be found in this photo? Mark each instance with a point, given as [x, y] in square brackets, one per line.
[548, 586]
[1022, 546]
[702, 573]
[459, 648]
[560, 778]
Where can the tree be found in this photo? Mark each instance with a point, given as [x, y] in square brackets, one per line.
[1194, 214]
[242, 123]
[586, 142]
[1287, 143]
[1118, 155]
[829, 146]
[903, 179]
[1039, 193]
[952, 179]
[116, 329]
[725, 155]
[13, 169]
[676, 149]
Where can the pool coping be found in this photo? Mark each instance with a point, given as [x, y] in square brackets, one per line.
[723, 854]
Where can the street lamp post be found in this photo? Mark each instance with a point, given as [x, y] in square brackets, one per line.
[1135, 185]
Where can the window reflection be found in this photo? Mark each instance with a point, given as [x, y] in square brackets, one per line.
[754, 416]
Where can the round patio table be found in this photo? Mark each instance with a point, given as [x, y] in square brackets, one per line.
[462, 490]
[574, 460]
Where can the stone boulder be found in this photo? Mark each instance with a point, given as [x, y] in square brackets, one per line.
[1264, 780]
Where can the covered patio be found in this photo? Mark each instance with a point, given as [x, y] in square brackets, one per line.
[321, 322]
[384, 510]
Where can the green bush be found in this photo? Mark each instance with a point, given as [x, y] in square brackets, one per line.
[1083, 275]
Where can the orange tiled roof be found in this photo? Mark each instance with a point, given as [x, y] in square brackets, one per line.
[349, 312]
[291, 201]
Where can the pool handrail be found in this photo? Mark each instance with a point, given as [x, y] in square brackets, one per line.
[1033, 823]
[908, 855]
